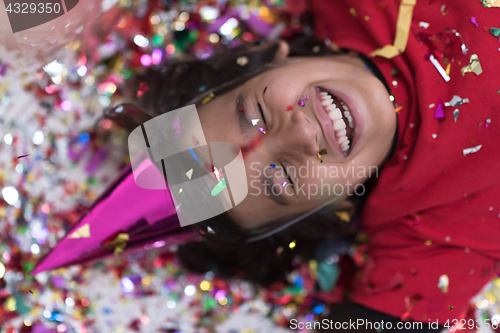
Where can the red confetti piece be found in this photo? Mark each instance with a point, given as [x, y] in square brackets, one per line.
[22, 156]
[289, 108]
[143, 87]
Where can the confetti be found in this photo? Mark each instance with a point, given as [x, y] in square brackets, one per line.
[475, 149]
[23, 156]
[289, 108]
[488, 122]
[402, 31]
[455, 114]
[194, 155]
[272, 166]
[143, 88]
[491, 3]
[262, 130]
[440, 69]
[176, 126]
[473, 66]
[474, 21]
[208, 98]
[210, 230]
[81, 232]
[189, 174]
[242, 61]
[444, 283]
[456, 101]
[343, 216]
[219, 187]
[255, 121]
[423, 24]
[495, 32]
[321, 153]
[301, 102]
[434, 136]
[196, 143]
[399, 108]
[451, 307]
[439, 114]
[283, 184]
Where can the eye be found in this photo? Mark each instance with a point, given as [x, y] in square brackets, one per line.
[287, 175]
[262, 114]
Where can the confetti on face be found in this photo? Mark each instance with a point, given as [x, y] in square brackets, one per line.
[283, 184]
[255, 121]
[444, 283]
[194, 155]
[475, 149]
[242, 61]
[474, 21]
[262, 130]
[456, 101]
[219, 187]
[473, 66]
[321, 153]
[208, 98]
[439, 114]
[306, 97]
[301, 102]
[176, 126]
[243, 109]
[289, 108]
[272, 166]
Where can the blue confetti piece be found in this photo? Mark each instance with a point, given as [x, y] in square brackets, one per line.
[318, 309]
[273, 166]
[84, 137]
[194, 155]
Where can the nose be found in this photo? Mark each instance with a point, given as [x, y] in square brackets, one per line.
[299, 136]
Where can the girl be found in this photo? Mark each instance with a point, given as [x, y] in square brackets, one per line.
[432, 207]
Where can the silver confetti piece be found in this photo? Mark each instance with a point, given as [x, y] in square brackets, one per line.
[444, 283]
[210, 230]
[456, 101]
[455, 114]
[475, 149]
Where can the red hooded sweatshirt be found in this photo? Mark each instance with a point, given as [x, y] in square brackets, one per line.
[434, 215]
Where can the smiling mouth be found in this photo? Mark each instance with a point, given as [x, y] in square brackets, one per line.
[342, 120]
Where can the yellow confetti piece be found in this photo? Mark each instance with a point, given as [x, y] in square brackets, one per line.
[118, 243]
[208, 98]
[491, 3]
[448, 68]
[473, 66]
[313, 269]
[428, 242]
[321, 153]
[353, 12]
[82, 232]
[402, 31]
[344, 216]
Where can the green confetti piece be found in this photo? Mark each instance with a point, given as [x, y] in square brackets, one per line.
[495, 32]
[219, 187]
[394, 72]
[327, 276]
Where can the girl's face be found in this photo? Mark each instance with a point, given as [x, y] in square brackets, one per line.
[285, 116]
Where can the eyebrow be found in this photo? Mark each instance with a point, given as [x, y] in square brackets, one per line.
[279, 199]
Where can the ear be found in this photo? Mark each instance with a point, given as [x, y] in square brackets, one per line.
[282, 52]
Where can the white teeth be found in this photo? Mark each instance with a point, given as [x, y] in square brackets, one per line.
[342, 132]
[342, 139]
[339, 124]
[335, 114]
[346, 113]
[323, 93]
[326, 102]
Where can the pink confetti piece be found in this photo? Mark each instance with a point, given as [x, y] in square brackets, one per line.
[439, 114]
[262, 130]
[301, 102]
[473, 20]
[177, 127]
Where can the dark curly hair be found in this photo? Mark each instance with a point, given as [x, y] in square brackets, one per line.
[224, 251]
